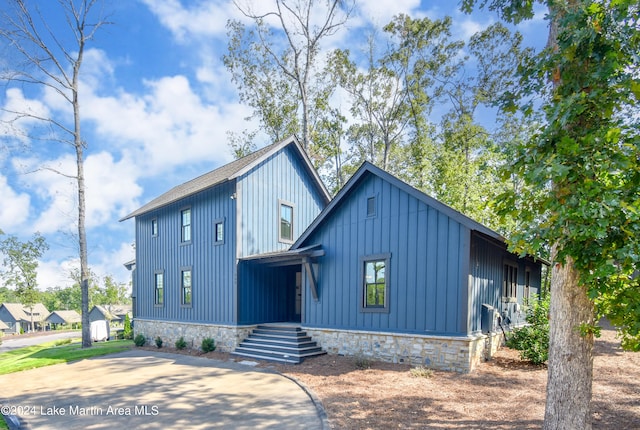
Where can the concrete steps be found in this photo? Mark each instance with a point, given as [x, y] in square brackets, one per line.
[283, 344]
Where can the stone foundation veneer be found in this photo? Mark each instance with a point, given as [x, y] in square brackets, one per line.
[227, 337]
[460, 354]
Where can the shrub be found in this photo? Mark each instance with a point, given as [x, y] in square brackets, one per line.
[208, 345]
[421, 372]
[532, 340]
[362, 363]
[181, 343]
[127, 333]
[159, 342]
[139, 340]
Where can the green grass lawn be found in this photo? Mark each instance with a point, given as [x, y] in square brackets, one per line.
[50, 353]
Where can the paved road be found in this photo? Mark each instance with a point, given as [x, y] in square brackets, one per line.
[141, 389]
[9, 343]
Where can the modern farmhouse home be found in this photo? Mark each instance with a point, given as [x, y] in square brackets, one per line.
[256, 255]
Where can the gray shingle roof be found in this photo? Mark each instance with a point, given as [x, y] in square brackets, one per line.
[67, 317]
[218, 176]
[20, 312]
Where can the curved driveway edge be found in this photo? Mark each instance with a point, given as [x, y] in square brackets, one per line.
[153, 390]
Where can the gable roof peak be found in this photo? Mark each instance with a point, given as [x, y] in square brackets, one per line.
[228, 172]
[367, 168]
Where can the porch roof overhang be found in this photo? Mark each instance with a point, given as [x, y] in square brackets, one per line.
[300, 256]
[289, 257]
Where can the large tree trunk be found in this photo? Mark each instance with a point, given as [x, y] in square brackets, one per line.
[570, 377]
[570, 353]
[82, 232]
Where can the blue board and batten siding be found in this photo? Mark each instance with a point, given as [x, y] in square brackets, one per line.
[283, 177]
[248, 205]
[487, 269]
[429, 264]
[212, 265]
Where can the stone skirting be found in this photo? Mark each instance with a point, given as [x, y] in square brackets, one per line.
[227, 337]
[454, 353]
[460, 354]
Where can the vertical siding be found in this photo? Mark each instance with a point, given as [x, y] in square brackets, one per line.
[487, 272]
[274, 300]
[428, 284]
[213, 266]
[263, 294]
[280, 177]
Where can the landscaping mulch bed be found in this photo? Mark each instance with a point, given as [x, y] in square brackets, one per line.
[504, 393]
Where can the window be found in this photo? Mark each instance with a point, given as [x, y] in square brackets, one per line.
[185, 284]
[510, 282]
[527, 283]
[218, 232]
[285, 228]
[154, 227]
[371, 207]
[159, 288]
[185, 217]
[375, 283]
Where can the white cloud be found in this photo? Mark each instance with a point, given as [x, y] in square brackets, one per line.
[111, 188]
[14, 208]
[55, 193]
[381, 13]
[19, 114]
[56, 273]
[197, 19]
[111, 262]
[169, 126]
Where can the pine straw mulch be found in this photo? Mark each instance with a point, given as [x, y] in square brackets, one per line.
[504, 393]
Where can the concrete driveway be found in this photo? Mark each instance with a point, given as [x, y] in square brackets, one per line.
[140, 389]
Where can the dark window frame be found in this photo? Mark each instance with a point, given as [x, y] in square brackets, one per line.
[186, 232]
[373, 258]
[156, 289]
[217, 240]
[183, 288]
[281, 238]
[372, 206]
[154, 227]
[510, 281]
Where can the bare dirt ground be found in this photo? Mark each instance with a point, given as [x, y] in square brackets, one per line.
[504, 393]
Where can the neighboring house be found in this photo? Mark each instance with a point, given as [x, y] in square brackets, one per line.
[64, 318]
[17, 316]
[3, 327]
[115, 314]
[382, 271]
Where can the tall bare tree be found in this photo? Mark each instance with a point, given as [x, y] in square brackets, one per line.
[50, 57]
[270, 63]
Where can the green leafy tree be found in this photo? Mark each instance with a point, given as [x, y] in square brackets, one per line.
[111, 293]
[8, 295]
[426, 55]
[583, 166]
[50, 62]
[21, 267]
[127, 332]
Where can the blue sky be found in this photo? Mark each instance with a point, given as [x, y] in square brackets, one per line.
[156, 103]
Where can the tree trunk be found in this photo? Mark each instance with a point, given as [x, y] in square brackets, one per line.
[570, 363]
[82, 232]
